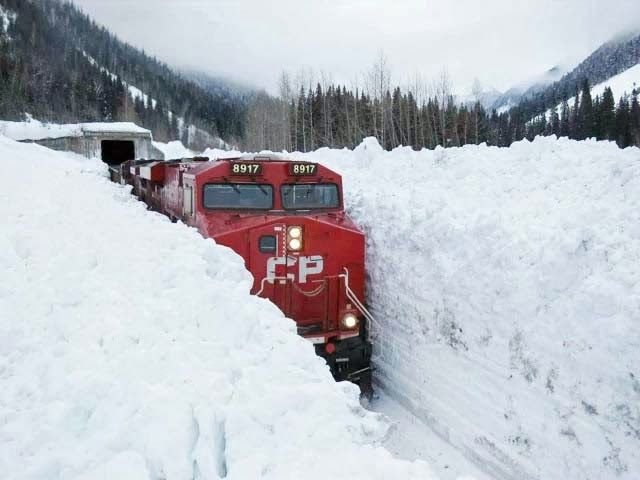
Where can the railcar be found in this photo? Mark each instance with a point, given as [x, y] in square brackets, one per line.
[286, 219]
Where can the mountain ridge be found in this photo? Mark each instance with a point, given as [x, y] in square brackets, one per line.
[45, 52]
[613, 57]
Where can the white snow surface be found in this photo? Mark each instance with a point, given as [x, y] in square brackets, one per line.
[173, 150]
[134, 91]
[506, 287]
[130, 348]
[36, 130]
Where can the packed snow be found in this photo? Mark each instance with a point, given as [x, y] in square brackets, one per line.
[174, 150]
[136, 93]
[130, 348]
[115, 127]
[506, 287]
[504, 281]
[36, 130]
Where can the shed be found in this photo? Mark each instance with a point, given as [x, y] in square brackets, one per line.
[114, 143]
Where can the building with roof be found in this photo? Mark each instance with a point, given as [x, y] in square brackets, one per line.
[114, 143]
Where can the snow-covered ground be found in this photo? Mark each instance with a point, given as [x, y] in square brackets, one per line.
[506, 286]
[174, 150]
[411, 438]
[130, 348]
[505, 282]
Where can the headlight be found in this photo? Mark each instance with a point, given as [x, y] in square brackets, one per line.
[294, 238]
[295, 244]
[295, 232]
[350, 321]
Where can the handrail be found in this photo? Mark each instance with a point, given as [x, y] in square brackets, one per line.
[352, 296]
[271, 280]
[313, 293]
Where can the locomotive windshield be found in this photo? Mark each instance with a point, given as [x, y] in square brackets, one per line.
[238, 196]
[310, 196]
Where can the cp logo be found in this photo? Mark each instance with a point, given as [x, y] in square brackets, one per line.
[306, 266]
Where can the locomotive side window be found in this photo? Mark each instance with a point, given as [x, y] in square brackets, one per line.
[268, 243]
[238, 196]
[310, 196]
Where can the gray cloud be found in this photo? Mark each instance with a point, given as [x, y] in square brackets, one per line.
[502, 42]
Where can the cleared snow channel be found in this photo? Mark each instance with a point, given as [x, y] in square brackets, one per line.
[130, 348]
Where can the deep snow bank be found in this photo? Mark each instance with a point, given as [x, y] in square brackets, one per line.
[506, 283]
[173, 150]
[131, 349]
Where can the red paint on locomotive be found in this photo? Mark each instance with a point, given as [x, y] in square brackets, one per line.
[286, 219]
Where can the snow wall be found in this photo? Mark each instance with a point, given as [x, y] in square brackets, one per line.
[130, 348]
[506, 287]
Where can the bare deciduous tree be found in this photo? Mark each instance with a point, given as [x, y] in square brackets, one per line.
[443, 92]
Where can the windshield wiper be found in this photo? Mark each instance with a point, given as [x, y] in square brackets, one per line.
[232, 185]
[262, 189]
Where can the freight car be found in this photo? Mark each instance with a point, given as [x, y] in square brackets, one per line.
[286, 219]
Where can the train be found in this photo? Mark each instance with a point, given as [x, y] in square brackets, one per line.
[286, 219]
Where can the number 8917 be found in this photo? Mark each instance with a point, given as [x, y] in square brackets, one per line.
[243, 168]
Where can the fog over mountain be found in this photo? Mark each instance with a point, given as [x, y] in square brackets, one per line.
[253, 40]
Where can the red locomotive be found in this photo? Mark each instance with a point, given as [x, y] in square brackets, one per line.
[287, 220]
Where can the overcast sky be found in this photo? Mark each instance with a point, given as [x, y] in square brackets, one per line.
[501, 42]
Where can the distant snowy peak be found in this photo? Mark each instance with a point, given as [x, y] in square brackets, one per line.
[554, 74]
[216, 84]
[476, 93]
[514, 95]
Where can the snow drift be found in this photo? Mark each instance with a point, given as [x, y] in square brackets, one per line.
[130, 348]
[506, 284]
[173, 150]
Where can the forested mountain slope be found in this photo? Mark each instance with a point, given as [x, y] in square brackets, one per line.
[609, 60]
[59, 65]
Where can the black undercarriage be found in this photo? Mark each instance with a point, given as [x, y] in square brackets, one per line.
[351, 361]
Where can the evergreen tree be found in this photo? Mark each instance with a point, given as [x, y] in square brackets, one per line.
[623, 126]
[564, 119]
[574, 118]
[586, 124]
[554, 122]
[57, 65]
[607, 114]
[635, 118]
